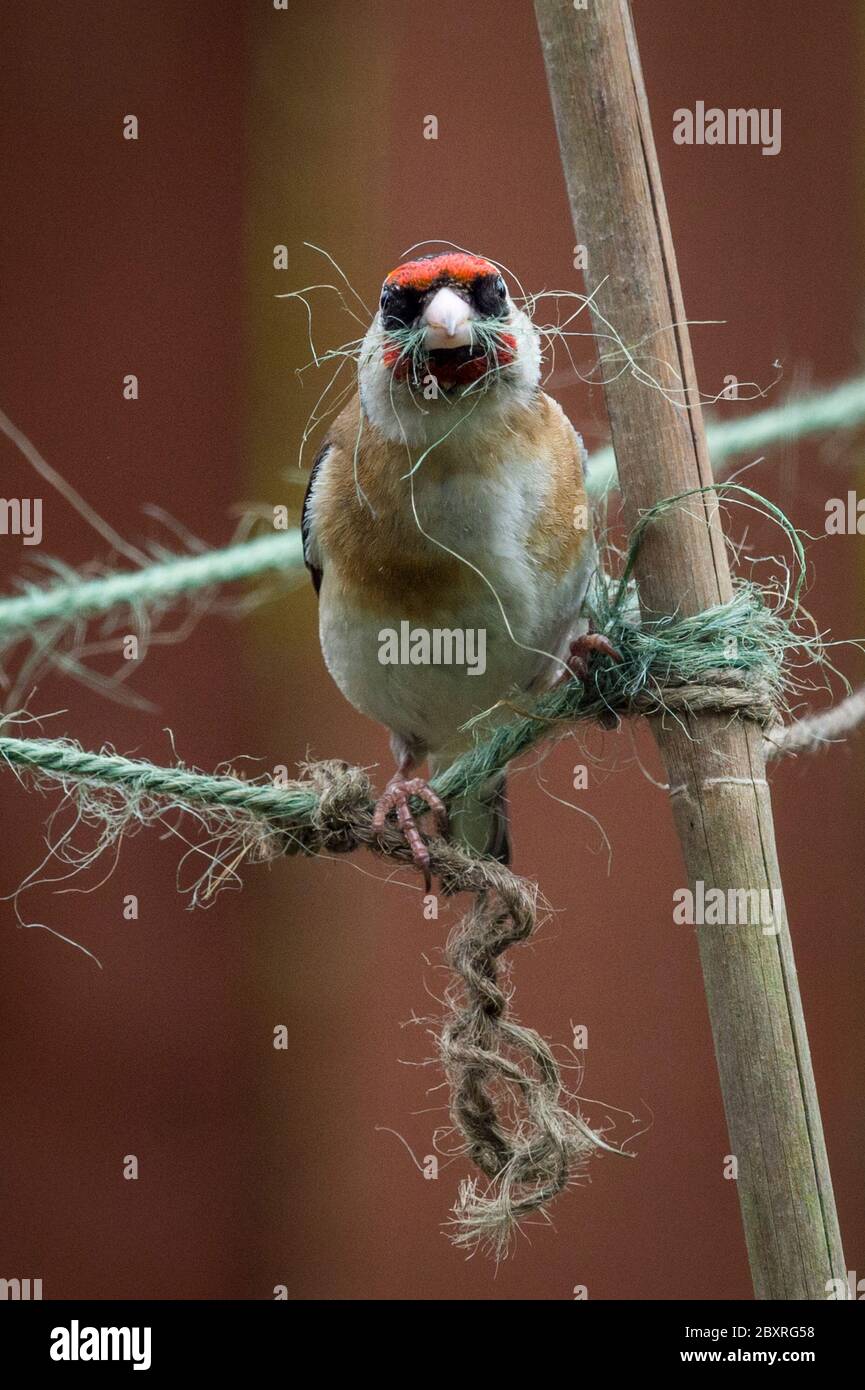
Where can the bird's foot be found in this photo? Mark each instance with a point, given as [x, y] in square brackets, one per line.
[396, 797]
[583, 648]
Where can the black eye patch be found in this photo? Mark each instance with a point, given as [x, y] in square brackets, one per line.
[400, 306]
[490, 296]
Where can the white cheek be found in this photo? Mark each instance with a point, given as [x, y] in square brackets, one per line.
[406, 415]
[527, 365]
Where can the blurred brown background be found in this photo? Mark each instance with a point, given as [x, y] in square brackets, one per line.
[257, 127]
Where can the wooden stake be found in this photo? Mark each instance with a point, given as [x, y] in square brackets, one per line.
[716, 771]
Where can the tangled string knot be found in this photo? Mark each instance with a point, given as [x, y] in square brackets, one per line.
[342, 812]
[521, 1128]
[518, 1124]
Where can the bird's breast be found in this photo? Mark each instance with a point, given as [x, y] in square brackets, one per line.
[470, 550]
[432, 542]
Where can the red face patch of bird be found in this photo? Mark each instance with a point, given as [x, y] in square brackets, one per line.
[422, 274]
[443, 317]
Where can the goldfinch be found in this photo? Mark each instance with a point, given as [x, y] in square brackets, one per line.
[446, 529]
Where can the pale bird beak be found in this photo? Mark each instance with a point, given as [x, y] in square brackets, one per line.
[448, 321]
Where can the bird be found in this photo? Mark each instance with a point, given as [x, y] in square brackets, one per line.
[446, 516]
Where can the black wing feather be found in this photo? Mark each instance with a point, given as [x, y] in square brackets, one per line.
[306, 517]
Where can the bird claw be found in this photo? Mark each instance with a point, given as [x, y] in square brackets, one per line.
[581, 649]
[396, 797]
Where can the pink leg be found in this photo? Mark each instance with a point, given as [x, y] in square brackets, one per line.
[396, 796]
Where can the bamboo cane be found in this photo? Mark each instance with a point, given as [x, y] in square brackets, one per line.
[719, 794]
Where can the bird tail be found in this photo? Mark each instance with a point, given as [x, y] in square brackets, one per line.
[479, 820]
